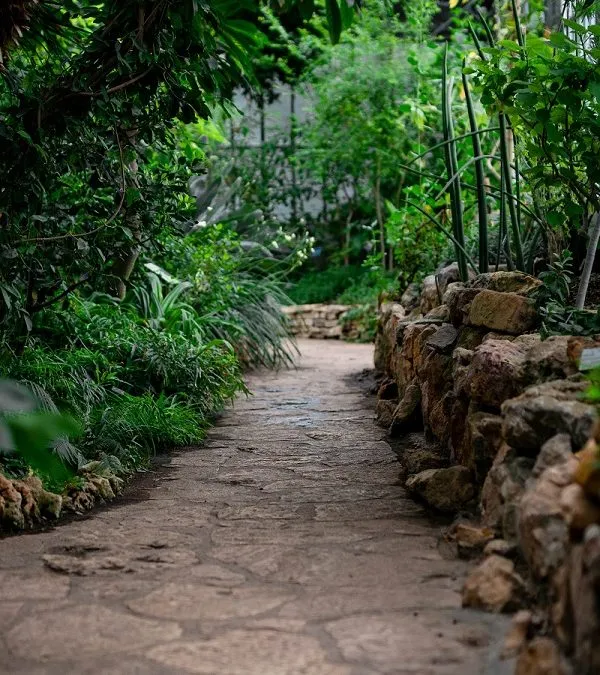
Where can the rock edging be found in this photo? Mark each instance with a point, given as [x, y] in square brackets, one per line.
[320, 321]
[506, 410]
[26, 505]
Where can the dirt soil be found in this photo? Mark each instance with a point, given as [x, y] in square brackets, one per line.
[284, 546]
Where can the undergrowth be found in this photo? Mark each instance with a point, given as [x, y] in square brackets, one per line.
[149, 373]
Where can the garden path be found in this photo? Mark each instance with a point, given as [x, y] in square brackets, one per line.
[285, 546]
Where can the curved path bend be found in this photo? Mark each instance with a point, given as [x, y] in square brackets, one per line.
[285, 546]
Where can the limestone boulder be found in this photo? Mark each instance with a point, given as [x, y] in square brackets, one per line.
[411, 297]
[504, 312]
[502, 490]
[584, 588]
[501, 547]
[506, 282]
[541, 657]
[443, 489]
[407, 415]
[481, 442]
[11, 515]
[516, 638]
[444, 339]
[461, 361]
[543, 532]
[459, 415]
[544, 411]
[556, 450]
[547, 359]
[494, 585]
[416, 454]
[470, 539]
[440, 313]
[430, 295]
[49, 504]
[497, 372]
[388, 389]
[458, 299]
[413, 352]
[470, 337]
[438, 415]
[435, 285]
[587, 474]
[384, 412]
[390, 316]
[561, 613]
[102, 487]
[381, 352]
[578, 511]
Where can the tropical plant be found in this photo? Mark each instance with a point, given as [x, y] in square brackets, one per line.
[547, 87]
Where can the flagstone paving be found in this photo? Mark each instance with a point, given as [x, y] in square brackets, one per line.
[286, 545]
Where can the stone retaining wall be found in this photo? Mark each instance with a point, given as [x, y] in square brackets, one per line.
[504, 424]
[319, 321]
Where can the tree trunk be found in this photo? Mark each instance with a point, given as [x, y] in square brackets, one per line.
[594, 237]
[552, 14]
[379, 212]
[124, 265]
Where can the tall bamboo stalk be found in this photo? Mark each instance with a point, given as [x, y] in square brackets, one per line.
[506, 172]
[454, 191]
[480, 179]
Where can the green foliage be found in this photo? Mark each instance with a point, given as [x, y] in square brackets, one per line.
[144, 425]
[125, 302]
[592, 394]
[547, 86]
[543, 87]
[373, 105]
[136, 389]
[364, 321]
[27, 434]
[556, 280]
[552, 299]
[318, 286]
[237, 291]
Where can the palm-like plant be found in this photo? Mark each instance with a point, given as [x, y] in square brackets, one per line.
[167, 309]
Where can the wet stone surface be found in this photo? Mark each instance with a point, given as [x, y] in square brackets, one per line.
[285, 546]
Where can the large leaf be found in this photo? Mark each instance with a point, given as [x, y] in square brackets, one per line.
[334, 19]
[32, 435]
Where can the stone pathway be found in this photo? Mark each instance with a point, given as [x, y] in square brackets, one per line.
[285, 546]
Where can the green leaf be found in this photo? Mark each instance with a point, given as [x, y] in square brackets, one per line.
[555, 218]
[32, 435]
[539, 47]
[307, 8]
[132, 195]
[575, 27]
[594, 88]
[560, 41]
[334, 20]
[509, 44]
[347, 12]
